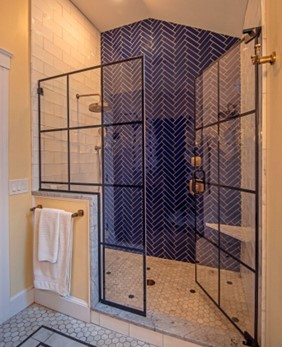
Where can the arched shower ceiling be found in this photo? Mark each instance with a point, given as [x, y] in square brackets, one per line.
[221, 16]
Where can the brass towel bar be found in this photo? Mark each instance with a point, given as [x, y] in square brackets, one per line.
[79, 213]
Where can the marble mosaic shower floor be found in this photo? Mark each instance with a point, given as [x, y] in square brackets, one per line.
[22, 325]
[175, 303]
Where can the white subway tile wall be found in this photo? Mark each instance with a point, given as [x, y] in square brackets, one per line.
[63, 40]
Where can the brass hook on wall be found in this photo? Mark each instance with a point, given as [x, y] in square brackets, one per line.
[256, 59]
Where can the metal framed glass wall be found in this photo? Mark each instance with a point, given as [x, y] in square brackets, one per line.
[226, 180]
[91, 135]
[123, 243]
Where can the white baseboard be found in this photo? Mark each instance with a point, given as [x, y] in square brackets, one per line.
[20, 301]
[70, 306]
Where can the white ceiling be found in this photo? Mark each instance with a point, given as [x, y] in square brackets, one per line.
[222, 16]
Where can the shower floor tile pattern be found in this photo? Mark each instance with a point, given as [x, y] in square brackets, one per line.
[176, 304]
[22, 325]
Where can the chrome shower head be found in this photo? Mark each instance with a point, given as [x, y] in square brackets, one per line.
[96, 107]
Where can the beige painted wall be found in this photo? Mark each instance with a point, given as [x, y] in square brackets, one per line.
[14, 37]
[273, 28]
[80, 265]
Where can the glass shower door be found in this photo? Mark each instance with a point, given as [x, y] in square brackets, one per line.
[226, 132]
[123, 238]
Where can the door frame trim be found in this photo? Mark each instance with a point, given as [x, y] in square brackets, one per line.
[5, 58]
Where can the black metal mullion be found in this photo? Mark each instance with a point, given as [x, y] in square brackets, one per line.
[68, 129]
[122, 307]
[90, 68]
[123, 123]
[89, 126]
[222, 311]
[227, 253]
[39, 138]
[144, 190]
[103, 291]
[241, 115]
[218, 182]
[67, 191]
[257, 185]
[124, 248]
[195, 197]
[244, 190]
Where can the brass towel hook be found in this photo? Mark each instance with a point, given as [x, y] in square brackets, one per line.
[257, 59]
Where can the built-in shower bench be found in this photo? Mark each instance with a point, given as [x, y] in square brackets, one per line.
[244, 234]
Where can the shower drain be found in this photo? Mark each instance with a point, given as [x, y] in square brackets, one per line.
[150, 282]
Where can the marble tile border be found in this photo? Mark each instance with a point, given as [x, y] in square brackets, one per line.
[51, 337]
[94, 228]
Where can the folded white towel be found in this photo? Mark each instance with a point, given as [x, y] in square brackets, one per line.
[55, 277]
[48, 240]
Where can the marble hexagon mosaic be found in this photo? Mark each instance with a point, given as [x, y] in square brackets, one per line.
[25, 323]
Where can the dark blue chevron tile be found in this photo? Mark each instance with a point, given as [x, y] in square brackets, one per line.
[174, 55]
[123, 217]
[207, 214]
[123, 159]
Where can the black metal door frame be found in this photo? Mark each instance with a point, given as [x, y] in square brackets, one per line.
[101, 239]
[249, 339]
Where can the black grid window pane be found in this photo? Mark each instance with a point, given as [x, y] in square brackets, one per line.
[207, 142]
[207, 266]
[207, 214]
[85, 90]
[207, 97]
[237, 152]
[122, 92]
[54, 156]
[85, 155]
[53, 104]
[230, 84]
[237, 224]
[237, 288]
[123, 155]
[124, 278]
[123, 217]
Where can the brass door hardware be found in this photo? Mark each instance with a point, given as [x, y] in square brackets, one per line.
[196, 161]
[257, 59]
[196, 186]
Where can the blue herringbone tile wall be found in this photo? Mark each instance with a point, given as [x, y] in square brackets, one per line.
[174, 56]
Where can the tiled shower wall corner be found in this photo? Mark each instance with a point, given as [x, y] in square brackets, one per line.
[63, 40]
[174, 56]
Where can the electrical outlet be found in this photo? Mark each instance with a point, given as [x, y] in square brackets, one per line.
[18, 186]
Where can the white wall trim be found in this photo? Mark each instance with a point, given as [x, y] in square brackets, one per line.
[70, 306]
[21, 300]
[5, 58]
[4, 201]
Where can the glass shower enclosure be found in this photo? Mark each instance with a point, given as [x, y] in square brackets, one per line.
[227, 168]
[92, 141]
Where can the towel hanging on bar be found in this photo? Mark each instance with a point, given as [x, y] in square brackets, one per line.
[79, 213]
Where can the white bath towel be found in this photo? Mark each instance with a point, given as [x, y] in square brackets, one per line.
[54, 277]
[48, 236]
